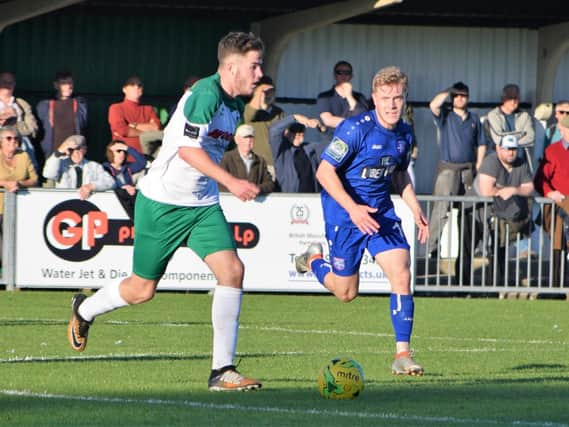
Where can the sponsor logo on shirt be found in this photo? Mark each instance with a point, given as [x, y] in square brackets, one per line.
[191, 131]
[387, 166]
[219, 134]
[337, 149]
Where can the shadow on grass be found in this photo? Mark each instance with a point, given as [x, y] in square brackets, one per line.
[403, 404]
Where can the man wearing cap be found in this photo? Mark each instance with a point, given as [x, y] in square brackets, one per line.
[130, 120]
[552, 180]
[243, 163]
[508, 117]
[62, 116]
[69, 168]
[507, 178]
[295, 160]
[462, 147]
[17, 112]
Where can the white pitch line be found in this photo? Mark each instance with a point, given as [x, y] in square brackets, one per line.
[139, 356]
[332, 332]
[283, 410]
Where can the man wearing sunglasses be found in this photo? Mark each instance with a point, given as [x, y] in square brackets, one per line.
[552, 134]
[462, 147]
[69, 167]
[341, 101]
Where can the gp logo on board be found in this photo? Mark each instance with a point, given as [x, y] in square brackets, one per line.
[77, 230]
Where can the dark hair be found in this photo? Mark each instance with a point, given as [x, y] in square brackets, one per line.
[265, 80]
[343, 63]
[63, 77]
[190, 81]
[510, 91]
[7, 80]
[238, 42]
[296, 128]
[459, 88]
[109, 153]
[133, 80]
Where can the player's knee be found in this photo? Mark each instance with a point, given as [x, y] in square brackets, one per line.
[141, 291]
[347, 295]
[234, 272]
[401, 282]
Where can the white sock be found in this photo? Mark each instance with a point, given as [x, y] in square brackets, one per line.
[225, 310]
[106, 299]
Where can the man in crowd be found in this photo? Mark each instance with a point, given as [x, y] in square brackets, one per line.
[462, 147]
[552, 180]
[132, 122]
[341, 101]
[68, 167]
[507, 178]
[244, 163]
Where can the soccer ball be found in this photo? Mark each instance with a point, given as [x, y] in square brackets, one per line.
[341, 378]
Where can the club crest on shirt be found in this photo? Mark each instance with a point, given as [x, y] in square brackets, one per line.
[337, 149]
[401, 146]
[339, 263]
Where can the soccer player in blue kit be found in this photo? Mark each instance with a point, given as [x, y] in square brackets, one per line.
[368, 154]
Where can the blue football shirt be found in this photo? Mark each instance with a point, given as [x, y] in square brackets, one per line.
[365, 154]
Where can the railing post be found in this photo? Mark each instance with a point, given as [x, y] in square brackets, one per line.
[9, 241]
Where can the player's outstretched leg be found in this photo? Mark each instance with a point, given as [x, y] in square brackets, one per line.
[78, 328]
[405, 365]
[229, 379]
[302, 261]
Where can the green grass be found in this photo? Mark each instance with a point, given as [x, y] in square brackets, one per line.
[487, 362]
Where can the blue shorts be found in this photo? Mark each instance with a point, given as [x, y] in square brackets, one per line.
[347, 244]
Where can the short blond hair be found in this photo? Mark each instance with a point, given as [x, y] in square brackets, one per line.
[390, 75]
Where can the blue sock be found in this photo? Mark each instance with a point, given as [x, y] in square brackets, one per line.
[402, 308]
[320, 268]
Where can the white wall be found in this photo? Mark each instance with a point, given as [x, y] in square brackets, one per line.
[434, 58]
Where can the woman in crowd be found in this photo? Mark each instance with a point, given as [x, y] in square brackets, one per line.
[123, 172]
[16, 168]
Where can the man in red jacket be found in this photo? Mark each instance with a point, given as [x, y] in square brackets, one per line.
[552, 180]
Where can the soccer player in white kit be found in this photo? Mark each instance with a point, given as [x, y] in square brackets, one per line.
[178, 204]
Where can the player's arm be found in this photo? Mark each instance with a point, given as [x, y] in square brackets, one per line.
[403, 186]
[359, 214]
[200, 160]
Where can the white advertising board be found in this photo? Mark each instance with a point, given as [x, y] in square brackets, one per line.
[63, 242]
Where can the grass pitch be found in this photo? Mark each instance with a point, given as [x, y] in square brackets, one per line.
[488, 362]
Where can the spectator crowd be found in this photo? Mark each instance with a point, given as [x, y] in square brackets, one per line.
[508, 154]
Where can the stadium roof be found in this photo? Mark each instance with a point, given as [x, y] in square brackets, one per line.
[480, 13]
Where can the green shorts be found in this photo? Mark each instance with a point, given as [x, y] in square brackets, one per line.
[161, 228]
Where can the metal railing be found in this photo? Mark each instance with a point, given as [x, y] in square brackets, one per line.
[467, 259]
[471, 258]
